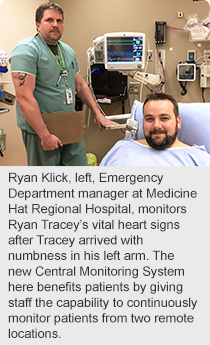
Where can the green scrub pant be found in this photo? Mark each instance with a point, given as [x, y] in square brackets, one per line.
[67, 155]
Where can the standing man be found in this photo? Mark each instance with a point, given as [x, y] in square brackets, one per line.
[46, 75]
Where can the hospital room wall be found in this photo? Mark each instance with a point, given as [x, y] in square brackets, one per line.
[85, 20]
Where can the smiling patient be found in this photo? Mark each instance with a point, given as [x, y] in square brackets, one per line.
[161, 147]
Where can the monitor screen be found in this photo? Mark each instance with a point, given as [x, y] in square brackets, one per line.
[186, 72]
[124, 51]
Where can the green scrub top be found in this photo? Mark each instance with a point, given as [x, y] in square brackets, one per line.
[32, 56]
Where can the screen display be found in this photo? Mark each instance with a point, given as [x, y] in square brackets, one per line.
[186, 72]
[124, 50]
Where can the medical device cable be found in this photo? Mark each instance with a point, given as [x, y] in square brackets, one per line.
[183, 87]
[202, 64]
[202, 92]
[89, 73]
[174, 28]
[89, 83]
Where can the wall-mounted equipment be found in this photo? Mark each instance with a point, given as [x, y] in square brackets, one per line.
[191, 55]
[205, 76]
[186, 71]
[160, 33]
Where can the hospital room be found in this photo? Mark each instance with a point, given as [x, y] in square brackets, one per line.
[161, 47]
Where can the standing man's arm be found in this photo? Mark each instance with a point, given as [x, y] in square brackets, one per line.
[85, 94]
[24, 87]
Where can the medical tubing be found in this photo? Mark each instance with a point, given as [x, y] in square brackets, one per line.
[89, 82]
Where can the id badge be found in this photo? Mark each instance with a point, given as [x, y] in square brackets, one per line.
[69, 96]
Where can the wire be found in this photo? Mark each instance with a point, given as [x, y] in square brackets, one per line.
[89, 79]
[174, 28]
[203, 95]
[159, 57]
[183, 86]
[89, 82]
[91, 136]
[201, 57]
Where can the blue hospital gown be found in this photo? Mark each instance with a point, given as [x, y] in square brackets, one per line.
[128, 152]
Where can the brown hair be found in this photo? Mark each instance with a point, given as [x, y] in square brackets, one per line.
[47, 6]
[162, 96]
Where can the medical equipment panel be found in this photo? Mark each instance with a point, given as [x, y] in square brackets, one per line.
[124, 51]
[160, 32]
[186, 71]
[120, 51]
[205, 76]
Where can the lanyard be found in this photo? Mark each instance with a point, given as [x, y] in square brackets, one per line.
[63, 71]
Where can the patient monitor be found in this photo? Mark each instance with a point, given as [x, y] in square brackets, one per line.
[124, 51]
[120, 51]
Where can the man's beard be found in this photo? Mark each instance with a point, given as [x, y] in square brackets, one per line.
[163, 144]
[53, 39]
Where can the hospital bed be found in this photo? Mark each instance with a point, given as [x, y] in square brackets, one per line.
[195, 130]
[195, 127]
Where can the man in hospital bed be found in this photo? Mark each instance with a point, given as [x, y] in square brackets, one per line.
[161, 147]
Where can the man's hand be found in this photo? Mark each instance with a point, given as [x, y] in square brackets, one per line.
[85, 94]
[102, 122]
[50, 142]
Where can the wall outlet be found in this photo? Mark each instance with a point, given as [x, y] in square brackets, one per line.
[149, 55]
[191, 55]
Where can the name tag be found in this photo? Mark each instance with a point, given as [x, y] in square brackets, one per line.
[69, 96]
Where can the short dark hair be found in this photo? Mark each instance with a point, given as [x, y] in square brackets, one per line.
[162, 96]
[47, 6]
